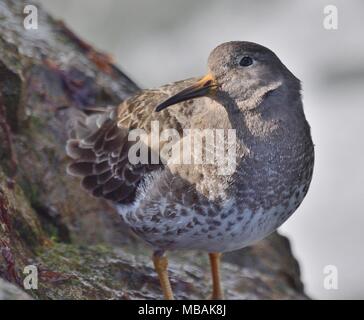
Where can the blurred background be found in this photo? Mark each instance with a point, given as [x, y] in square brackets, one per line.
[160, 41]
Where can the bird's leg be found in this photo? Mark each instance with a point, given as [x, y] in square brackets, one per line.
[160, 264]
[217, 293]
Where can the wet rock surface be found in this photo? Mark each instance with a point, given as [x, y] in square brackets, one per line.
[78, 243]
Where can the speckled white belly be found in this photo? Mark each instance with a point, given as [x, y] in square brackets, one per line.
[234, 234]
[233, 228]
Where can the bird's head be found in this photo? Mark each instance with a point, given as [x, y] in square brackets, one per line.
[243, 72]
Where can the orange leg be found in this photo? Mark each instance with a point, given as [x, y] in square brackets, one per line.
[217, 292]
[161, 265]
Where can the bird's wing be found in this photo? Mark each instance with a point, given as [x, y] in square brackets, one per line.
[99, 144]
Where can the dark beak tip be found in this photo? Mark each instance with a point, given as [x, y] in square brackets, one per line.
[159, 108]
[196, 90]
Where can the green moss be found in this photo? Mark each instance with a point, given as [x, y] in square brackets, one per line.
[30, 190]
[25, 231]
[35, 123]
[86, 266]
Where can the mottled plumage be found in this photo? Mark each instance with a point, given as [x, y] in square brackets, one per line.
[192, 206]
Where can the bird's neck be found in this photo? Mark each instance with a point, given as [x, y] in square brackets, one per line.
[271, 119]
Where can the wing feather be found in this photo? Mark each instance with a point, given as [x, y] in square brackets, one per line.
[98, 145]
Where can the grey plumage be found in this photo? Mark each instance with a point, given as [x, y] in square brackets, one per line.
[181, 206]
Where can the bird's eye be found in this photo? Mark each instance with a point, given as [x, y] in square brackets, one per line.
[246, 61]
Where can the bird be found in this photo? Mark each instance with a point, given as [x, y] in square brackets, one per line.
[191, 205]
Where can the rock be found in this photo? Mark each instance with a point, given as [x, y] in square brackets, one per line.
[78, 243]
[9, 291]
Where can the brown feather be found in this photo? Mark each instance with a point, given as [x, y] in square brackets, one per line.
[99, 145]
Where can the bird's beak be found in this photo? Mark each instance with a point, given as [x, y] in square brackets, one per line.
[202, 88]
